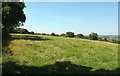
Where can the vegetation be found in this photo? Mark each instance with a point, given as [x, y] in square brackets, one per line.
[69, 34]
[20, 30]
[12, 16]
[79, 36]
[33, 54]
[53, 34]
[63, 34]
[43, 34]
[31, 32]
[93, 36]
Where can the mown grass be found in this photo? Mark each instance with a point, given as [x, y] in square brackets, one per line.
[48, 50]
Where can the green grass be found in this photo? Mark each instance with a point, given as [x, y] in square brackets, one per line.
[48, 50]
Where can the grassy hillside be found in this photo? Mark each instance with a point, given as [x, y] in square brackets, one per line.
[47, 54]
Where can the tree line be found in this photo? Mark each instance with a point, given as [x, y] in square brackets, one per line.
[91, 36]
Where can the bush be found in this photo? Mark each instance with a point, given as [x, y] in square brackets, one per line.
[93, 36]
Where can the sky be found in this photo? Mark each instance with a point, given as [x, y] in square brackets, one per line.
[70, 0]
[77, 17]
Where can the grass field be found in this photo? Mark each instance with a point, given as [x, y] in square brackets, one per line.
[55, 55]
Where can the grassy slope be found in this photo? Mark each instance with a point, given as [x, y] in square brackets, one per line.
[94, 54]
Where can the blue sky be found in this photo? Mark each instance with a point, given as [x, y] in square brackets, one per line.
[77, 17]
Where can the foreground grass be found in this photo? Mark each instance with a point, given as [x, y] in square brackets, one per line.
[76, 54]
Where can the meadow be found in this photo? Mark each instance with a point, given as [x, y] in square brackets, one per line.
[40, 54]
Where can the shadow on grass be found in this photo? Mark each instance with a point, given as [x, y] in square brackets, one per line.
[34, 38]
[6, 40]
[65, 67]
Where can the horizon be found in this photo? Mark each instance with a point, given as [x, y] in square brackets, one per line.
[77, 17]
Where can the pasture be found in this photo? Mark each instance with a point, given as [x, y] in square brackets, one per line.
[39, 54]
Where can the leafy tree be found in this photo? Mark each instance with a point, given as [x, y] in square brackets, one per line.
[70, 34]
[93, 36]
[12, 16]
[53, 34]
[79, 36]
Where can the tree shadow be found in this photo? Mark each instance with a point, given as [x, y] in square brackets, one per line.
[33, 38]
[6, 40]
[64, 67]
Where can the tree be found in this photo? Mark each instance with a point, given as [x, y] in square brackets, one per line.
[53, 34]
[12, 16]
[79, 36]
[93, 36]
[70, 34]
